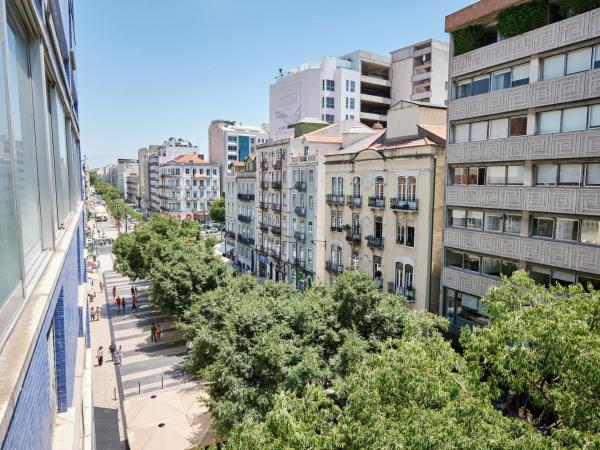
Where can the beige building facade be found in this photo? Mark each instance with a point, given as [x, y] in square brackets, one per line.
[384, 198]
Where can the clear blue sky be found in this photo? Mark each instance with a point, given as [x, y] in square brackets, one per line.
[152, 69]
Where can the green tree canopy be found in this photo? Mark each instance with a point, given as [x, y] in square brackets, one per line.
[217, 210]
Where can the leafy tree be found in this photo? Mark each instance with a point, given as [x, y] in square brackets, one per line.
[217, 210]
[543, 345]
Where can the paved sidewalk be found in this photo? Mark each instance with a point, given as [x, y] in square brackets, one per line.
[147, 369]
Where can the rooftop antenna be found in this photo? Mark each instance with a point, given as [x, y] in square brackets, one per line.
[280, 73]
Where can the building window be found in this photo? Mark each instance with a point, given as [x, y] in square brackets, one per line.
[350, 102]
[350, 86]
[329, 85]
[542, 227]
[328, 102]
[400, 232]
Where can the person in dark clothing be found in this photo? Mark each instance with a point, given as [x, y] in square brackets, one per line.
[124, 303]
[153, 333]
[113, 348]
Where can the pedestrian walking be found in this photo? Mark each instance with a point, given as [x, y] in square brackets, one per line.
[113, 349]
[118, 303]
[123, 304]
[133, 303]
[100, 355]
[153, 333]
[119, 355]
[136, 291]
[132, 291]
[158, 331]
[101, 286]
[92, 314]
[114, 291]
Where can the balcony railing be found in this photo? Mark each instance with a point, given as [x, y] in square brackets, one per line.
[275, 230]
[230, 234]
[354, 201]
[334, 199]
[335, 228]
[246, 197]
[300, 210]
[374, 242]
[300, 263]
[353, 236]
[333, 267]
[408, 293]
[264, 185]
[263, 227]
[300, 236]
[275, 206]
[378, 282]
[276, 184]
[300, 185]
[377, 202]
[264, 205]
[245, 239]
[243, 218]
[264, 165]
[404, 205]
[277, 164]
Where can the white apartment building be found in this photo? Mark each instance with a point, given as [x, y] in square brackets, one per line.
[230, 141]
[240, 214]
[419, 72]
[165, 152]
[125, 168]
[188, 185]
[144, 175]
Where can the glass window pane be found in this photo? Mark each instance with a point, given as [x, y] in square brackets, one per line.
[461, 133]
[475, 219]
[501, 80]
[21, 110]
[463, 89]
[494, 222]
[10, 274]
[567, 229]
[574, 119]
[590, 231]
[498, 128]
[588, 282]
[459, 175]
[562, 277]
[454, 259]
[471, 262]
[553, 67]
[541, 227]
[478, 131]
[518, 126]
[540, 275]
[512, 224]
[592, 177]
[508, 267]
[520, 75]
[481, 85]
[491, 266]
[579, 60]
[596, 64]
[458, 218]
[496, 174]
[570, 174]
[546, 174]
[477, 175]
[549, 122]
[61, 167]
[594, 116]
[515, 175]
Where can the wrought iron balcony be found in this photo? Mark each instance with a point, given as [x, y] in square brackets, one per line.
[300, 185]
[353, 236]
[407, 292]
[264, 165]
[230, 234]
[377, 202]
[243, 218]
[264, 185]
[374, 242]
[334, 199]
[335, 228]
[300, 263]
[275, 230]
[332, 267]
[277, 164]
[276, 184]
[264, 205]
[300, 236]
[246, 197]
[404, 205]
[245, 239]
[378, 282]
[300, 210]
[354, 201]
[263, 227]
[275, 206]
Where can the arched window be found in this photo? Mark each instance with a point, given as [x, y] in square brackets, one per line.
[356, 186]
[401, 189]
[333, 186]
[399, 275]
[340, 186]
[379, 187]
[412, 189]
[408, 276]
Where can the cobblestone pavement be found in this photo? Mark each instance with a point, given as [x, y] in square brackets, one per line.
[147, 367]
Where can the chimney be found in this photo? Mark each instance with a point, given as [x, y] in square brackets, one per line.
[377, 126]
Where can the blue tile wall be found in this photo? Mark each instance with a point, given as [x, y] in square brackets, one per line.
[33, 421]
